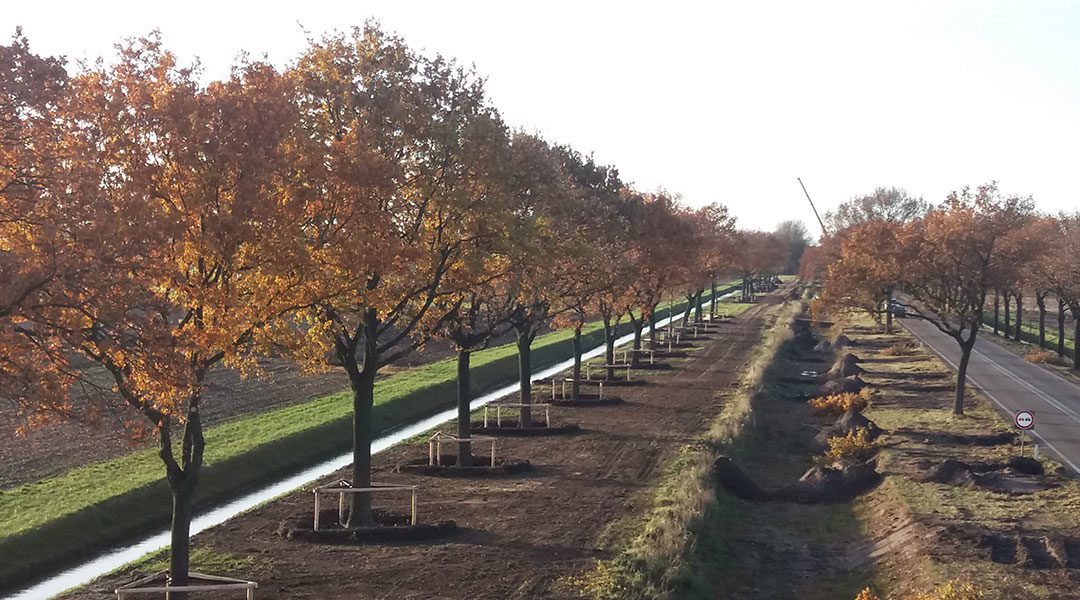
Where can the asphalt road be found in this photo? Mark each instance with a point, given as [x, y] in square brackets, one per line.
[1014, 384]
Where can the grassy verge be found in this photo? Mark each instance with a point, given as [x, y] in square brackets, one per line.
[657, 555]
[46, 524]
[915, 397]
[1030, 334]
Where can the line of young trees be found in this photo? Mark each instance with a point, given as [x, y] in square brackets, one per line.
[356, 205]
[942, 263]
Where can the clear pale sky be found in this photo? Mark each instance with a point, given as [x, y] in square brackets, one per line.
[727, 101]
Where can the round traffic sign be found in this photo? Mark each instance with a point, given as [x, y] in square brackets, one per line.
[1024, 419]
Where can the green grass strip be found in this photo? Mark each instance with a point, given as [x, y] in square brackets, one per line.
[1030, 333]
[55, 520]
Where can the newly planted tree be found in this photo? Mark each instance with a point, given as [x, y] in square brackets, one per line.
[375, 110]
[198, 248]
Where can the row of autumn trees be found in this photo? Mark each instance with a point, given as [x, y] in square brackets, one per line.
[356, 205]
[943, 262]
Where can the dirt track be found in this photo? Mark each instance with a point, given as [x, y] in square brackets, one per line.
[519, 534]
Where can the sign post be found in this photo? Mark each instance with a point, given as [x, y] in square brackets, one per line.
[1024, 421]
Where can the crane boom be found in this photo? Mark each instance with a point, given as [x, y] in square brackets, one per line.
[820, 222]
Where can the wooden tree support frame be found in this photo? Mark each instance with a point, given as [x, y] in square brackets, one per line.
[626, 352]
[664, 337]
[214, 583]
[436, 441]
[597, 382]
[498, 406]
[680, 328]
[626, 366]
[343, 486]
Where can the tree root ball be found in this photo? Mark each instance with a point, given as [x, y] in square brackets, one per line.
[844, 385]
[845, 366]
[848, 422]
[827, 485]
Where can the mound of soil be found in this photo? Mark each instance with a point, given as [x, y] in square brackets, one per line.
[947, 471]
[510, 428]
[988, 439]
[1006, 483]
[481, 467]
[827, 485]
[387, 528]
[804, 339]
[730, 477]
[1026, 465]
[1022, 477]
[846, 423]
[845, 366]
[843, 385]
[586, 400]
[842, 341]
[647, 366]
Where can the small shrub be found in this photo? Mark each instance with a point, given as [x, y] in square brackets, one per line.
[899, 350]
[953, 590]
[866, 595]
[856, 445]
[1040, 356]
[838, 404]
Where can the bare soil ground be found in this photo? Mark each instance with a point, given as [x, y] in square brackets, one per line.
[519, 534]
[56, 449]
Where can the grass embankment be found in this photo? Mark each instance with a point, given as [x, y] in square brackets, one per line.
[51, 522]
[660, 554]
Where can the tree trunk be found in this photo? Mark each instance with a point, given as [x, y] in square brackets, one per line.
[575, 386]
[1019, 317]
[888, 316]
[697, 306]
[363, 402]
[1008, 326]
[1076, 337]
[180, 534]
[635, 356]
[961, 375]
[652, 329]
[1041, 301]
[996, 309]
[524, 347]
[182, 482]
[689, 308]
[712, 301]
[464, 418]
[609, 347]
[1061, 329]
